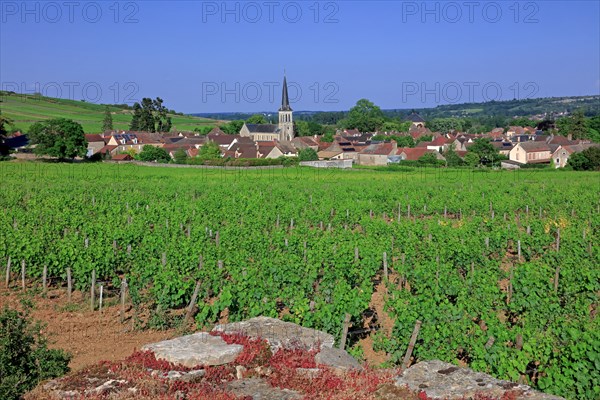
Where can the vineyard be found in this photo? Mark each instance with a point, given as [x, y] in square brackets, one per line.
[501, 268]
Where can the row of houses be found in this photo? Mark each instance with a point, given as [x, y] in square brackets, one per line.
[520, 145]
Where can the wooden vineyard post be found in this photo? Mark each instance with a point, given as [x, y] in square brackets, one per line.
[411, 345]
[164, 259]
[7, 281]
[487, 242]
[557, 272]
[92, 290]
[101, 297]
[385, 265]
[510, 286]
[123, 296]
[277, 222]
[399, 213]
[292, 223]
[356, 254]
[69, 285]
[519, 249]
[345, 331]
[218, 239]
[408, 211]
[44, 279]
[23, 274]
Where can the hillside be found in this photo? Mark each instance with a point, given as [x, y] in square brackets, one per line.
[25, 110]
[508, 108]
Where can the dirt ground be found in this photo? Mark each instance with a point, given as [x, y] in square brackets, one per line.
[96, 336]
[89, 336]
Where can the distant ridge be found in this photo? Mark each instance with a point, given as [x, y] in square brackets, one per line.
[505, 108]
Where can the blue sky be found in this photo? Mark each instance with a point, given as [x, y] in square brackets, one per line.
[211, 56]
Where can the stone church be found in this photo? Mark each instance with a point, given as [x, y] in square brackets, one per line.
[283, 131]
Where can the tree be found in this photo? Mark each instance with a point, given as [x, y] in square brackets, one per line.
[257, 119]
[404, 141]
[578, 126]
[210, 151]
[471, 159]
[3, 133]
[154, 154]
[25, 359]
[452, 158]
[428, 159]
[135, 119]
[307, 154]
[307, 128]
[587, 160]
[364, 116]
[62, 138]
[484, 149]
[180, 156]
[233, 127]
[107, 123]
[204, 130]
[150, 116]
[446, 125]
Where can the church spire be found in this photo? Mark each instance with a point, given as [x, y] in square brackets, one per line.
[285, 102]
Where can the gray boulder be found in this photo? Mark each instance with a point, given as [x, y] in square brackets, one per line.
[199, 349]
[278, 333]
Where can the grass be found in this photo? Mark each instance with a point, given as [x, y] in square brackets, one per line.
[26, 110]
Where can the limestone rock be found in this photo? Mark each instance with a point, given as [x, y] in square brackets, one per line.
[278, 333]
[259, 389]
[199, 349]
[441, 380]
[337, 359]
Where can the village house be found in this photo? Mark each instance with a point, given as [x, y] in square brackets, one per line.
[532, 152]
[417, 122]
[561, 155]
[95, 144]
[377, 153]
[414, 153]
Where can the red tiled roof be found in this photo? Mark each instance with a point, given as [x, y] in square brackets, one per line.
[122, 157]
[94, 138]
[107, 149]
[413, 153]
[382, 149]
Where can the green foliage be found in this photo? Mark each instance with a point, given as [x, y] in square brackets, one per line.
[107, 123]
[210, 151]
[204, 130]
[364, 116]
[257, 119]
[154, 154]
[472, 159]
[233, 127]
[60, 137]
[327, 136]
[523, 121]
[486, 152]
[307, 128]
[430, 159]
[3, 133]
[307, 154]
[453, 282]
[587, 160]
[446, 125]
[452, 158]
[25, 359]
[180, 156]
[150, 116]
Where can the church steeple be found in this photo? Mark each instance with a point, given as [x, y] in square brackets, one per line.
[286, 121]
[285, 101]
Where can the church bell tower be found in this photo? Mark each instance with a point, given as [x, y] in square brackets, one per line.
[286, 122]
